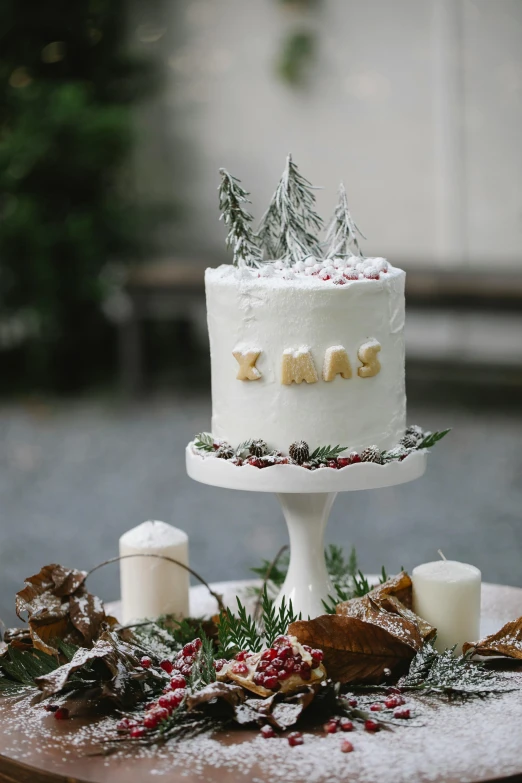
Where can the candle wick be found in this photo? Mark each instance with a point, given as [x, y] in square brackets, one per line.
[439, 552]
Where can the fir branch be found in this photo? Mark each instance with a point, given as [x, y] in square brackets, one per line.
[23, 666]
[431, 438]
[276, 570]
[286, 227]
[204, 441]
[431, 671]
[324, 453]
[275, 622]
[342, 230]
[240, 237]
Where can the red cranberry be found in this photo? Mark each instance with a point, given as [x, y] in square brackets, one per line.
[343, 462]
[267, 732]
[295, 738]
[354, 457]
[376, 707]
[402, 712]
[392, 690]
[197, 643]
[332, 463]
[371, 725]
[138, 731]
[271, 683]
[346, 746]
[331, 726]
[186, 670]
[189, 660]
[240, 668]
[167, 666]
[62, 713]
[189, 649]
[146, 662]
[178, 681]
[177, 696]
[166, 702]
[345, 724]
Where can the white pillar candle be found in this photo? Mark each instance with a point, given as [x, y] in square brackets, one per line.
[151, 586]
[447, 595]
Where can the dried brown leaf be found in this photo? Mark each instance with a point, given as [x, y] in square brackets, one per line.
[354, 650]
[87, 615]
[287, 712]
[223, 691]
[507, 642]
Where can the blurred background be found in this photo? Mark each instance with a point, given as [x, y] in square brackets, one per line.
[115, 116]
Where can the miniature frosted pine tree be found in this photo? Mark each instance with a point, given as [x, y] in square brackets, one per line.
[342, 231]
[240, 237]
[287, 227]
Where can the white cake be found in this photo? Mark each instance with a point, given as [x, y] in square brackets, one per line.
[277, 333]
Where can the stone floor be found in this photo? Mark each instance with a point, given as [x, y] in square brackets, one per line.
[74, 477]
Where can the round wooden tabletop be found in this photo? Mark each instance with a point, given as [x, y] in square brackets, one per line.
[478, 740]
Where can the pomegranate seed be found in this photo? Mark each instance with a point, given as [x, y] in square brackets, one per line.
[371, 725]
[167, 666]
[280, 640]
[219, 663]
[307, 648]
[289, 664]
[126, 724]
[267, 732]
[146, 662]
[270, 671]
[345, 724]
[393, 701]
[305, 666]
[188, 649]
[271, 683]
[376, 707]
[259, 678]
[284, 653]
[403, 712]
[352, 702]
[331, 727]
[354, 457]
[317, 657]
[306, 674]
[178, 681]
[269, 655]
[263, 666]
[62, 713]
[241, 655]
[295, 738]
[278, 663]
[346, 746]
[138, 732]
[240, 668]
[283, 674]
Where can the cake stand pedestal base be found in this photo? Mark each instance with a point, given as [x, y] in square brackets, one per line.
[307, 583]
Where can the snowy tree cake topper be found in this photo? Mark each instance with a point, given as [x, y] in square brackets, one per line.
[288, 231]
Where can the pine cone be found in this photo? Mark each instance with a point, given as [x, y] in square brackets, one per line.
[258, 448]
[225, 451]
[299, 452]
[415, 431]
[372, 454]
[409, 441]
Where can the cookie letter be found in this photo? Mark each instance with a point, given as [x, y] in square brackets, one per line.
[367, 354]
[247, 365]
[298, 366]
[336, 362]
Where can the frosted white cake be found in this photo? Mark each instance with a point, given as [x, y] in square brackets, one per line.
[307, 354]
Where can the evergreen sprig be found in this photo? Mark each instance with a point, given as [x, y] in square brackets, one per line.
[324, 453]
[21, 667]
[446, 673]
[240, 237]
[274, 621]
[431, 438]
[287, 228]
[204, 441]
[241, 632]
[244, 448]
[342, 231]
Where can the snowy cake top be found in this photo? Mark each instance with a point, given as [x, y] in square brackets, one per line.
[286, 244]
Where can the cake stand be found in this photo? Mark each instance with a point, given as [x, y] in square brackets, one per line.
[306, 498]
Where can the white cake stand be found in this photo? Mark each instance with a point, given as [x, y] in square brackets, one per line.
[306, 498]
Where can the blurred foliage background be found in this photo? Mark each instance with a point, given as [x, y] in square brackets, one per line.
[69, 214]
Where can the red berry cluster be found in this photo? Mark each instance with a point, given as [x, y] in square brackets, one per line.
[268, 461]
[349, 274]
[281, 661]
[184, 660]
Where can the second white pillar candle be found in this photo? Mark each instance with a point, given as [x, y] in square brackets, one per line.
[446, 594]
[151, 586]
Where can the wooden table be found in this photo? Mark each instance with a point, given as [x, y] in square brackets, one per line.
[479, 741]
